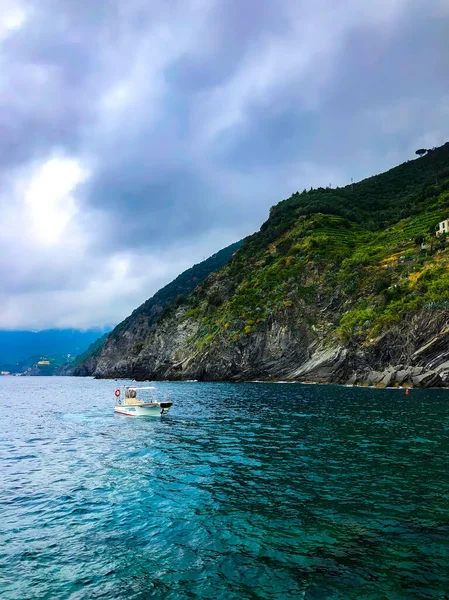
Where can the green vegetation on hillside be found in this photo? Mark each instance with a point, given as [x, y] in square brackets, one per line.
[368, 250]
[375, 203]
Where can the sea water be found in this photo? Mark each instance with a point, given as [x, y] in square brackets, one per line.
[242, 491]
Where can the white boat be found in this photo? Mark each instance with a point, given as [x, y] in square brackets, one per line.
[140, 402]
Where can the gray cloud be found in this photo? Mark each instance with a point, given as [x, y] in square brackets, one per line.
[138, 137]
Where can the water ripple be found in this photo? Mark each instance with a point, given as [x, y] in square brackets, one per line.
[340, 493]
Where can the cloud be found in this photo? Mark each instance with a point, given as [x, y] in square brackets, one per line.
[48, 198]
[12, 17]
[138, 137]
[301, 60]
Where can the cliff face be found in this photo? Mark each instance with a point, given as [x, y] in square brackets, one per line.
[340, 286]
[414, 354]
[172, 352]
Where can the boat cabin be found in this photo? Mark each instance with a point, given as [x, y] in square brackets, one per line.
[133, 396]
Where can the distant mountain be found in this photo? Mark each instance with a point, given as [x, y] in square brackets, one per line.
[129, 337]
[24, 347]
[41, 365]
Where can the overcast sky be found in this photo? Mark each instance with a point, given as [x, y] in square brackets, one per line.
[138, 137]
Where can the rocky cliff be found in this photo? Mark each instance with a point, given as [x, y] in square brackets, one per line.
[287, 347]
[346, 285]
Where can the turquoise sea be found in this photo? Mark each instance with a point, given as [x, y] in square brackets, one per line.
[242, 491]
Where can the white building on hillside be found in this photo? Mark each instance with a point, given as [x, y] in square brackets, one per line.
[443, 228]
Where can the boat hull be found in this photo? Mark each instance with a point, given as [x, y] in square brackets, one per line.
[142, 410]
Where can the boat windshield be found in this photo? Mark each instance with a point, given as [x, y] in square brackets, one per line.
[149, 387]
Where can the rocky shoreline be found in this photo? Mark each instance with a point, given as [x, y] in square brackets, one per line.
[285, 350]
